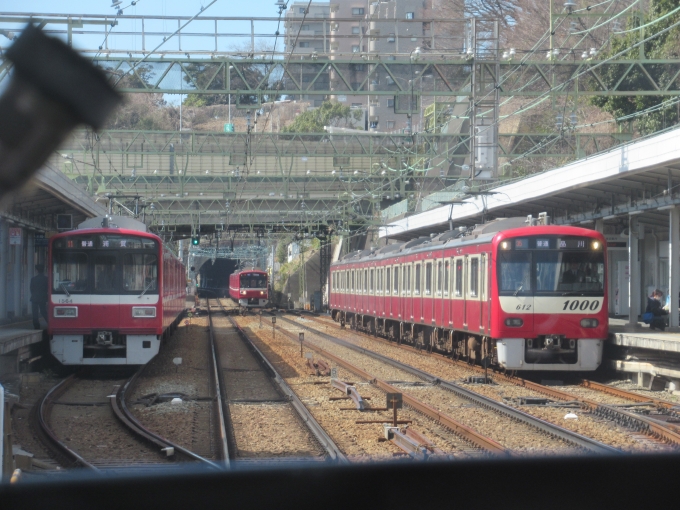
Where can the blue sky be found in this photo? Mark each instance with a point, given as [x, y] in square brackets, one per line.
[221, 8]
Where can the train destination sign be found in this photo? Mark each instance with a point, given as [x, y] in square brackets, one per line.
[105, 242]
[549, 243]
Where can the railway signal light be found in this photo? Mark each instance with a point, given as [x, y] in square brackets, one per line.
[195, 240]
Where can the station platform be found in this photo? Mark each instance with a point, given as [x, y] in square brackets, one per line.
[653, 357]
[15, 342]
[640, 336]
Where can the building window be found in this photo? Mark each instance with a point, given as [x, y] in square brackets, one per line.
[390, 38]
[301, 10]
[390, 103]
[304, 44]
[357, 105]
[357, 11]
[356, 30]
[410, 15]
[304, 27]
[355, 48]
[390, 124]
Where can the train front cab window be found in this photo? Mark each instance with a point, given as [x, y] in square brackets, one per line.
[140, 272]
[69, 273]
[105, 277]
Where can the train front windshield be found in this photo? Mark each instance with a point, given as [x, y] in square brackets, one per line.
[104, 264]
[253, 281]
[551, 266]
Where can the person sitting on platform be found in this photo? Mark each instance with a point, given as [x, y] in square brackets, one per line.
[654, 306]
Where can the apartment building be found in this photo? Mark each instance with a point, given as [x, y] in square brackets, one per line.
[360, 31]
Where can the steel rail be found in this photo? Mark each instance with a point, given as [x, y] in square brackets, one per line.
[307, 418]
[43, 418]
[635, 421]
[605, 388]
[481, 400]
[219, 384]
[122, 412]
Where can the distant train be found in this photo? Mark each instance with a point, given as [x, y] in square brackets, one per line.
[521, 297]
[249, 288]
[115, 291]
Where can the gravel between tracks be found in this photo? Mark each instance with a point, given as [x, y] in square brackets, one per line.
[188, 424]
[519, 437]
[587, 424]
[359, 442]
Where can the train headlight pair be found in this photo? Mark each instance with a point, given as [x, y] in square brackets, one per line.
[66, 312]
[143, 312]
[589, 323]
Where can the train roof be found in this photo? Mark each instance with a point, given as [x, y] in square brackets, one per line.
[250, 270]
[464, 236]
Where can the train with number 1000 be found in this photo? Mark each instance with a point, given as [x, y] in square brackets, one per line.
[115, 290]
[516, 296]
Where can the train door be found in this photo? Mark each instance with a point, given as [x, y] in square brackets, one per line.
[372, 294]
[388, 292]
[446, 297]
[427, 309]
[472, 296]
[484, 302]
[458, 301]
[438, 302]
[417, 297]
[396, 292]
[407, 313]
[380, 291]
[364, 292]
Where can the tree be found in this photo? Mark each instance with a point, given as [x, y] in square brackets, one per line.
[330, 113]
[663, 46]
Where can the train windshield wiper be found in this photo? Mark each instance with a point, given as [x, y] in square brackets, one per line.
[64, 288]
[521, 286]
[147, 288]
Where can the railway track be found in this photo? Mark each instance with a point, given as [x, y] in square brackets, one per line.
[622, 411]
[268, 422]
[86, 426]
[521, 426]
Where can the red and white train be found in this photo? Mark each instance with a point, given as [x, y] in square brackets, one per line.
[249, 288]
[522, 297]
[115, 291]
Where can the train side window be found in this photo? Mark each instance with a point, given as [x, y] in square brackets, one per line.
[352, 288]
[428, 278]
[459, 277]
[416, 282]
[474, 277]
[371, 281]
[381, 272]
[447, 270]
[407, 280]
[483, 279]
[439, 277]
[395, 283]
[365, 281]
[387, 281]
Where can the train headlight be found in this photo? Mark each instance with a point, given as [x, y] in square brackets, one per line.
[514, 322]
[66, 311]
[589, 323]
[596, 245]
[144, 312]
[243, 292]
[505, 245]
[261, 293]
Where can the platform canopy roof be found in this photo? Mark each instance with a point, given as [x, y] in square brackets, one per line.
[639, 178]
